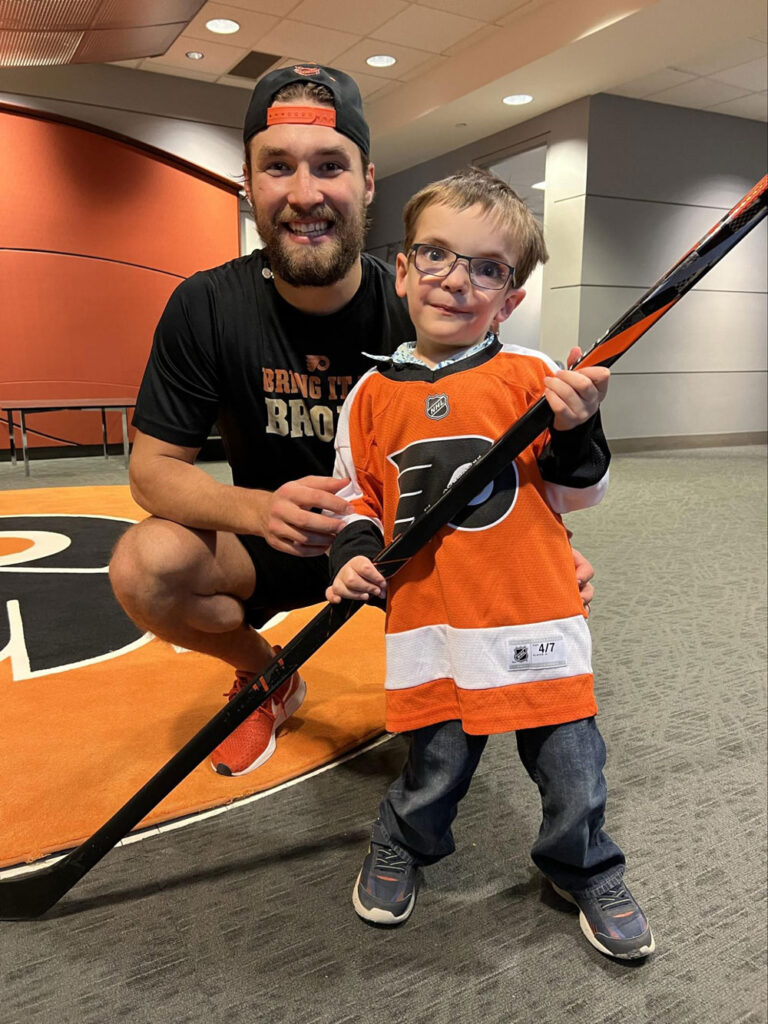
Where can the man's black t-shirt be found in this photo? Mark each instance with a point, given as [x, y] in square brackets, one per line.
[229, 349]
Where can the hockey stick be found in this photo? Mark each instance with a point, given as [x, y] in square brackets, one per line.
[30, 895]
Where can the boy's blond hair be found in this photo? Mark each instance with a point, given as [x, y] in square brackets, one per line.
[466, 188]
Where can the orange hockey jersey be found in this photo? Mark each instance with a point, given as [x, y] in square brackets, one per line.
[485, 624]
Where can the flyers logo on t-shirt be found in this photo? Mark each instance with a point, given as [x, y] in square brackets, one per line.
[426, 468]
[59, 609]
[320, 363]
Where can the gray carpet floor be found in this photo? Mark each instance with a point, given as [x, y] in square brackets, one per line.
[247, 917]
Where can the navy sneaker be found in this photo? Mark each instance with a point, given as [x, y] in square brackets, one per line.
[385, 890]
[613, 922]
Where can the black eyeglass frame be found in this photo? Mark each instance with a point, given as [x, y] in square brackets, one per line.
[470, 261]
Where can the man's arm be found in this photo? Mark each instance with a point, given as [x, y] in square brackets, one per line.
[166, 482]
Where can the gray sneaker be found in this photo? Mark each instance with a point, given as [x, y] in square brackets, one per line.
[613, 922]
[385, 890]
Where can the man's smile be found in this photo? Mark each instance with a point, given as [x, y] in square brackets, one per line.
[308, 228]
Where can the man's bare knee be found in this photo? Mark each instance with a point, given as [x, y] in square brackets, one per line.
[159, 565]
[155, 549]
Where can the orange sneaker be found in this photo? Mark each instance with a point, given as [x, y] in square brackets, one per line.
[253, 742]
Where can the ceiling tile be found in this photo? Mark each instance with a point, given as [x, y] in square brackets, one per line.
[315, 43]
[727, 56]
[252, 26]
[360, 19]
[384, 89]
[433, 60]
[368, 83]
[426, 29]
[408, 59]
[521, 10]
[699, 93]
[151, 64]
[280, 8]
[472, 39]
[639, 88]
[236, 81]
[484, 10]
[746, 76]
[218, 59]
[754, 106]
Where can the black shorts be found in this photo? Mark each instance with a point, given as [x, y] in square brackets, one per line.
[283, 581]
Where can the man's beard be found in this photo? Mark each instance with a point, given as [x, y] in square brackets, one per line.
[308, 265]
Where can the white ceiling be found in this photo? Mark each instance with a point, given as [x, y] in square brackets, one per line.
[456, 60]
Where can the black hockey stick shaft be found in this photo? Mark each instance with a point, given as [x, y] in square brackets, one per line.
[32, 894]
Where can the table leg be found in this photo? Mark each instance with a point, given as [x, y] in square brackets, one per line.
[12, 436]
[104, 432]
[125, 436]
[24, 451]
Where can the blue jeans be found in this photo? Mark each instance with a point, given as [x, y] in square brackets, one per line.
[566, 763]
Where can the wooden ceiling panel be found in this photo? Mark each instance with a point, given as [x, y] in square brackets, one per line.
[130, 13]
[89, 31]
[20, 49]
[33, 16]
[106, 44]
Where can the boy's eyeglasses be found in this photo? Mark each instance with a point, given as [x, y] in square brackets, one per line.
[439, 262]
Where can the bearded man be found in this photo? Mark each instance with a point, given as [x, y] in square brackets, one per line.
[267, 346]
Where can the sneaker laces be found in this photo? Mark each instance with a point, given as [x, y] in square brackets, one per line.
[387, 859]
[240, 683]
[614, 900]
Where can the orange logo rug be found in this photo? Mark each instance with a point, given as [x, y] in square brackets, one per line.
[91, 707]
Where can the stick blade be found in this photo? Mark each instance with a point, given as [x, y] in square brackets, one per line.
[29, 896]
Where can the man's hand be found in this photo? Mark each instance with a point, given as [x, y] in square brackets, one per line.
[584, 573]
[293, 521]
[357, 580]
[575, 395]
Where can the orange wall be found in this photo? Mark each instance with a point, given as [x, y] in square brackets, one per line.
[95, 233]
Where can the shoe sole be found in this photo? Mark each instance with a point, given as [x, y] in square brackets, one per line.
[291, 706]
[375, 914]
[589, 935]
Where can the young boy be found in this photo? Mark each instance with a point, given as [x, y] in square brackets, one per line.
[486, 632]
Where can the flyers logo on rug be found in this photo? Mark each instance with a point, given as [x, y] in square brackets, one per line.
[60, 612]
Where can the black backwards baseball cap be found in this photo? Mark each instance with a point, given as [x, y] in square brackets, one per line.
[346, 115]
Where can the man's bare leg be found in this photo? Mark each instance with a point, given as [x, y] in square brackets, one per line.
[187, 587]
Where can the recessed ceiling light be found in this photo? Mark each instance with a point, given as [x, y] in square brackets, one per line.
[222, 26]
[194, 55]
[517, 100]
[540, 185]
[381, 60]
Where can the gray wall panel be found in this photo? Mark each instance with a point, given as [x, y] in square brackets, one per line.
[634, 243]
[708, 331]
[658, 178]
[672, 154]
[674, 404]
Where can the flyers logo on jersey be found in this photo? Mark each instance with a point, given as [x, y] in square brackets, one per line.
[426, 468]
